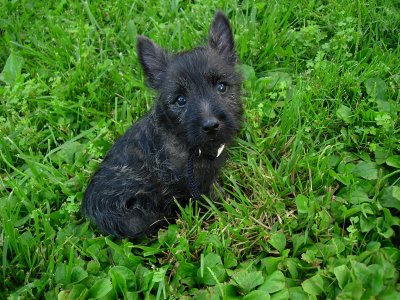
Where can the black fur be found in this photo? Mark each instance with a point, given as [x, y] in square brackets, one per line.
[198, 107]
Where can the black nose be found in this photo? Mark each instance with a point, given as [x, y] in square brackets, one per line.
[210, 125]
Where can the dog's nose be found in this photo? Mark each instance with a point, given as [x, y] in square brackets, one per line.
[210, 125]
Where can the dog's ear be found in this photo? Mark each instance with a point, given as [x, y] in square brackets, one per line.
[153, 60]
[221, 38]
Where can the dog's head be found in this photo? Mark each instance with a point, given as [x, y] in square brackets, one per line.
[199, 90]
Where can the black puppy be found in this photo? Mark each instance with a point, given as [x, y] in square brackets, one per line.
[177, 149]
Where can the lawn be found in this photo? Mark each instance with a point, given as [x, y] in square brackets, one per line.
[312, 204]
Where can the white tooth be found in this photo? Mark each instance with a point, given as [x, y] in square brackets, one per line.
[220, 149]
[199, 151]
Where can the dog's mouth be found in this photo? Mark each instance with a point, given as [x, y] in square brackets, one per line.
[210, 145]
[208, 153]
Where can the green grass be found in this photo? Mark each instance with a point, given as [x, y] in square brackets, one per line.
[313, 179]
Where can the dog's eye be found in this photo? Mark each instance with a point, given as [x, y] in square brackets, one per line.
[221, 87]
[180, 100]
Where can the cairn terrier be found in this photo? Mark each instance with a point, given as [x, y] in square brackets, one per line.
[175, 151]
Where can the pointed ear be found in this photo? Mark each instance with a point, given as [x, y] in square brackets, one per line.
[220, 37]
[153, 60]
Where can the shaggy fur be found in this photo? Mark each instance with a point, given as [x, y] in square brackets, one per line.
[197, 110]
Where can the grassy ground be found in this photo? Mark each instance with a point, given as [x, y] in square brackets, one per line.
[313, 179]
